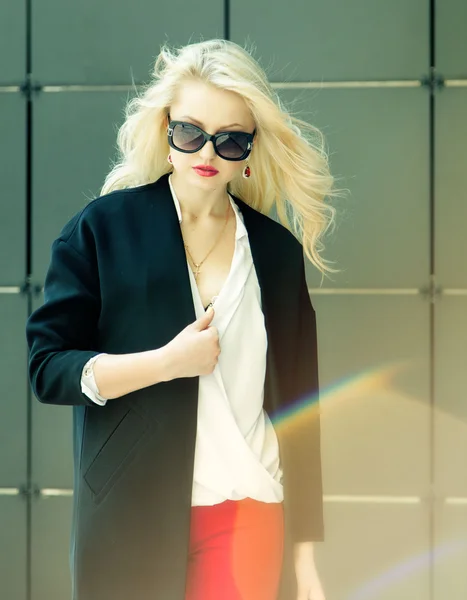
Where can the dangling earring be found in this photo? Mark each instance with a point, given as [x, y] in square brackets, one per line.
[169, 159]
[246, 172]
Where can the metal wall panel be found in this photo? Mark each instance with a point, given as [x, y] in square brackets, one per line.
[74, 144]
[13, 197]
[451, 190]
[335, 40]
[13, 537]
[109, 42]
[374, 366]
[12, 42]
[451, 38]
[450, 552]
[450, 397]
[50, 570]
[13, 390]
[375, 552]
[378, 145]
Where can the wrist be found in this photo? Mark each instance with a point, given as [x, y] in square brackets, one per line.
[301, 548]
[164, 364]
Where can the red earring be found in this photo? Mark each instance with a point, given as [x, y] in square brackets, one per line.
[246, 172]
[169, 159]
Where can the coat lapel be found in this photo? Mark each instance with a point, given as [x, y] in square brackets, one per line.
[169, 299]
[169, 288]
[260, 245]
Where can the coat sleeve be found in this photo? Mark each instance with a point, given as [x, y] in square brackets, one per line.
[61, 333]
[303, 437]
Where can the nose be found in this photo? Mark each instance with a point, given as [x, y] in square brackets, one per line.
[207, 152]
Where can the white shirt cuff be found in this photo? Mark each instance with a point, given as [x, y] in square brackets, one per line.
[88, 382]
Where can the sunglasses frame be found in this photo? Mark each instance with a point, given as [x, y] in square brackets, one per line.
[210, 138]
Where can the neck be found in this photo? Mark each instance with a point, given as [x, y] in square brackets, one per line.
[197, 203]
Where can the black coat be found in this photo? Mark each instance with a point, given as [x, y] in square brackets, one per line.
[118, 283]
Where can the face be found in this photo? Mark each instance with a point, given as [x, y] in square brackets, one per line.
[213, 110]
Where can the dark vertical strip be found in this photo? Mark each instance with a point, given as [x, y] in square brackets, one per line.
[227, 19]
[28, 224]
[432, 156]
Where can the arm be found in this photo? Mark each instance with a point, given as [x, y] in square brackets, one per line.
[61, 332]
[115, 375]
[121, 374]
[62, 339]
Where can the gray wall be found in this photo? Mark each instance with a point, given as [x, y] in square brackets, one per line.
[392, 324]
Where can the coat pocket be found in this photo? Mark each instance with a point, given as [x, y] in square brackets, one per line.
[116, 454]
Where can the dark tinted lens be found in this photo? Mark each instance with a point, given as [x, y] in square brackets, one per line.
[233, 144]
[187, 137]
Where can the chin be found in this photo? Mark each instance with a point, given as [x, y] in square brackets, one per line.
[207, 182]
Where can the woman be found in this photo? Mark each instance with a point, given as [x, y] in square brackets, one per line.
[177, 322]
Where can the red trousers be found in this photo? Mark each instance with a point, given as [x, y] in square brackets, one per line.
[236, 550]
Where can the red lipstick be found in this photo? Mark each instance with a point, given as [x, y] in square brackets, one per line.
[205, 170]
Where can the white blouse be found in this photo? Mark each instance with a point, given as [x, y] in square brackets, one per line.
[237, 452]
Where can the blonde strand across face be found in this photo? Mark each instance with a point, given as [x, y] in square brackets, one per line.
[289, 166]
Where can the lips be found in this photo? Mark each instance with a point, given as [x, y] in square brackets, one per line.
[206, 169]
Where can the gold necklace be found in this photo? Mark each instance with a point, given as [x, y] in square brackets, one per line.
[197, 266]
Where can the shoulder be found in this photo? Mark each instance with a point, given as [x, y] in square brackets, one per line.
[104, 211]
[273, 234]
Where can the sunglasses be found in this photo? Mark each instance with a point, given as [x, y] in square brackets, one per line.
[229, 145]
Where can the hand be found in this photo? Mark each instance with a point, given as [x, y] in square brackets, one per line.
[308, 582]
[195, 350]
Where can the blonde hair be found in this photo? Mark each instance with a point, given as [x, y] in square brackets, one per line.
[289, 164]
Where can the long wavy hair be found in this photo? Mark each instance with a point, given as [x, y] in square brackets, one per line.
[289, 164]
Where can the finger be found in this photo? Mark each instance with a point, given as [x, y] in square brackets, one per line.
[214, 331]
[204, 321]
